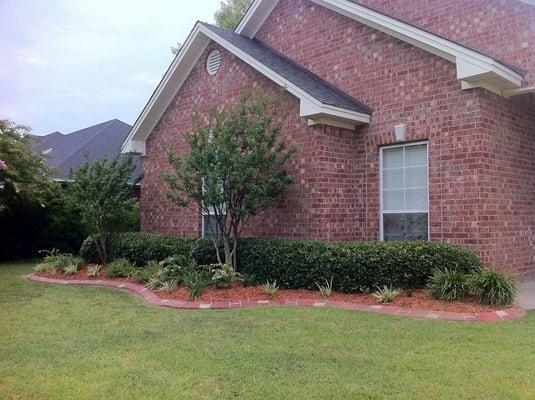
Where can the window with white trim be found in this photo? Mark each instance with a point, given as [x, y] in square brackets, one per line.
[404, 192]
[209, 218]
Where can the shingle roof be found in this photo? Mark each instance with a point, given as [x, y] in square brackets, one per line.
[311, 83]
[73, 150]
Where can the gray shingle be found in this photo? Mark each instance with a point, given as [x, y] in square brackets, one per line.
[73, 150]
[306, 80]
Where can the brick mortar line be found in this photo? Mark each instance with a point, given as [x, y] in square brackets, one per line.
[150, 298]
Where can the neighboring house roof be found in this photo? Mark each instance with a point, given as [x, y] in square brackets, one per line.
[66, 152]
[474, 68]
[320, 102]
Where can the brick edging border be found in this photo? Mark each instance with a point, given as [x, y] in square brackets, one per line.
[149, 297]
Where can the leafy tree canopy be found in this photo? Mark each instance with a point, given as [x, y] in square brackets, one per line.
[24, 175]
[104, 196]
[235, 167]
[231, 12]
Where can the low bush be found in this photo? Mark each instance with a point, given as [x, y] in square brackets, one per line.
[386, 294]
[296, 263]
[224, 276]
[271, 289]
[326, 289]
[449, 285]
[494, 288]
[70, 269]
[249, 280]
[56, 261]
[94, 271]
[120, 268]
[141, 248]
[150, 270]
[196, 281]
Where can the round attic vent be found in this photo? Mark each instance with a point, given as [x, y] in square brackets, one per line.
[213, 62]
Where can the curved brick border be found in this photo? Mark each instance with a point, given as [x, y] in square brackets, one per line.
[149, 296]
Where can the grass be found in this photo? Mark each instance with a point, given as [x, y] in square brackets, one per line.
[68, 342]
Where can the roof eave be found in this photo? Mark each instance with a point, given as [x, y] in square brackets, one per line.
[180, 70]
[473, 68]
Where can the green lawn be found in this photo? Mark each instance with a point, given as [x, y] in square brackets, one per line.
[59, 342]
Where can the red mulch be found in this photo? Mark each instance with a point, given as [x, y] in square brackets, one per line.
[420, 298]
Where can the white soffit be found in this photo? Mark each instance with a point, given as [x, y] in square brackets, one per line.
[473, 68]
[310, 107]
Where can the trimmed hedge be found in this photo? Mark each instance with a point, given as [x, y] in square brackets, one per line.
[296, 263]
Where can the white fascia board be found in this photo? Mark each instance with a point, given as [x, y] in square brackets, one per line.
[471, 61]
[255, 17]
[180, 70]
[474, 68]
[519, 91]
[166, 90]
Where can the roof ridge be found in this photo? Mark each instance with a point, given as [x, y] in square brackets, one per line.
[295, 64]
[110, 125]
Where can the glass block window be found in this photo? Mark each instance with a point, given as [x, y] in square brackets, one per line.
[404, 192]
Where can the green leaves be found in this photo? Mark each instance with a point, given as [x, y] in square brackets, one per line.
[24, 175]
[231, 12]
[235, 165]
[104, 196]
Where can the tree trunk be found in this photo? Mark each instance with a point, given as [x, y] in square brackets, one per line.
[100, 246]
[228, 252]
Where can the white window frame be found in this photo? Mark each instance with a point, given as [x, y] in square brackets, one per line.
[381, 189]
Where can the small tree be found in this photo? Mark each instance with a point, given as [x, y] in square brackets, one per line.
[24, 175]
[231, 12]
[235, 167]
[104, 196]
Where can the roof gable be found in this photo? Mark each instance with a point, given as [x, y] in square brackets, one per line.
[71, 151]
[474, 68]
[320, 102]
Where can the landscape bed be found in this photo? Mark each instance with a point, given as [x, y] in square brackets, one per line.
[420, 299]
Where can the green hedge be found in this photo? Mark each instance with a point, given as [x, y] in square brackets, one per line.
[296, 263]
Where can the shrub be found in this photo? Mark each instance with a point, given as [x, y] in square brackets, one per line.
[144, 274]
[168, 286]
[448, 285]
[196, 281]
[224, 276]
[354, 266]
[176, 268]
[271, 289]
[70, 269]
[296, 263]
[326, 289]
[55, 261]
[249, 280]
[94, 271]
[494, 288]
[386, 294]
[120, 268]
[141, 248]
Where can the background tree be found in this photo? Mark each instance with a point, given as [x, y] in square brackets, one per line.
[235, 167]
[24, 175]
[228, 16]
[231, 12]
[105, 198]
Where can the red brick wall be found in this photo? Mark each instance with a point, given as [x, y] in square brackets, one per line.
[323, 155]
[501, 28]
[336, 193]
[507, 217]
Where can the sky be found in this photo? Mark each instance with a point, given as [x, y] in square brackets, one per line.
[69, 64]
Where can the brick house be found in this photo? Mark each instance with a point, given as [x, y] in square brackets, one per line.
[412, 119]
